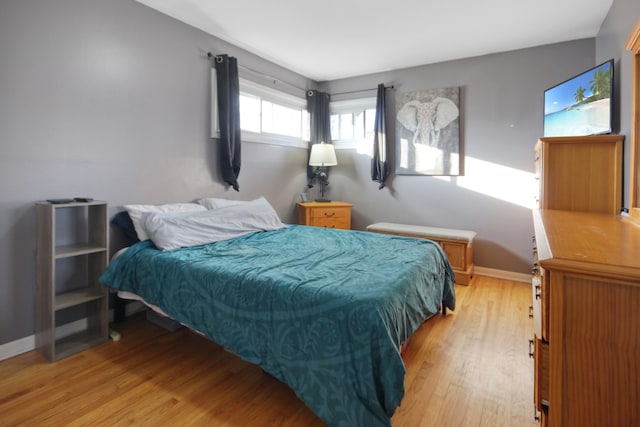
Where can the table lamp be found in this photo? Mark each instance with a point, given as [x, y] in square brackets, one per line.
[322, 156]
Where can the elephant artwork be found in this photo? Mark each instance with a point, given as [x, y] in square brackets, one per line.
[427, 128]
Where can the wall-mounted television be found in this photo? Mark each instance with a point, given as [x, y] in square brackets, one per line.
[581, 105]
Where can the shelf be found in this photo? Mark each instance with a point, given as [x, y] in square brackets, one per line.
[69, 299]
[71, 254]
[77, 342]
[78, 249]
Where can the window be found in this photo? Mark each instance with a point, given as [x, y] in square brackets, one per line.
[352, 122]
[250, 113]
[267, 115]
[280, 120]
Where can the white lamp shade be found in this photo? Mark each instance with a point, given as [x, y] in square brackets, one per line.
[322, 155]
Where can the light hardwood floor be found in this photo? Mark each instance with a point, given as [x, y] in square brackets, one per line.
[469, 368]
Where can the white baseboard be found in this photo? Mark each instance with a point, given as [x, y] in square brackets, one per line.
[502, 274]
[25, 344]
[17, 347]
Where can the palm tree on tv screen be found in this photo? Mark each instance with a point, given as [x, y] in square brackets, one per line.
[579, 96]
[600, 84]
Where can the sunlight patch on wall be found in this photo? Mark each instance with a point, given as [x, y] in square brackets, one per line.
[423, 158]
[501, 182]
[491, 179]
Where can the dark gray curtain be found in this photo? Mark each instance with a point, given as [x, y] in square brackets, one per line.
[229, 118]
[318, 108]
[379, 164]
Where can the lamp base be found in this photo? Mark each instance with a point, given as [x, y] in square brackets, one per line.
[322, 200]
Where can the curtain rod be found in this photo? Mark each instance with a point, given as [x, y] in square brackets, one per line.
[273, 79]
[276, 80]
[360, 90]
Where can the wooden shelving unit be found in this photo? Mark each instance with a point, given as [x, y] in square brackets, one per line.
[72, 253]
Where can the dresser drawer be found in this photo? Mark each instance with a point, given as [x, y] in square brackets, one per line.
[541, 374]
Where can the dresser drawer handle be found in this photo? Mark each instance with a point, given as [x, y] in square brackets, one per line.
[531, 352]
[329, 214]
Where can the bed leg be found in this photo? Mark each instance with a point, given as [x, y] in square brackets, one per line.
[444, 310]
[119, 308]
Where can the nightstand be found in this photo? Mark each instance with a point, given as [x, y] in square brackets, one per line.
[325, 214]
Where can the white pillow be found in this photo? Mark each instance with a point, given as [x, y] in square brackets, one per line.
[136, 211]
[215, 203]
[178, 230]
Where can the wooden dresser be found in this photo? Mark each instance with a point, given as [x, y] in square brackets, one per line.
[325, 214]
[586, 312]
[580, 173]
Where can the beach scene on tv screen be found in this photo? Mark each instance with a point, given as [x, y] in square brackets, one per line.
[581, 105]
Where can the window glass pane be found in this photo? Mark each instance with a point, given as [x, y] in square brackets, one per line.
[352, 122]
[249, 113]
[270, 116]
[306, 126]
[335, 127]
[359, 125]
[267, 116]
[346, 126]
[286, 121]
[281, 120]
[369, 123]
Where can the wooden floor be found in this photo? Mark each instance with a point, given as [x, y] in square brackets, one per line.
[469, 368]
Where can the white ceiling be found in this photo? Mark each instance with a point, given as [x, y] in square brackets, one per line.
[332, 39]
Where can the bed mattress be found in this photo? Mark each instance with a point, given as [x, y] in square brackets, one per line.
[323, 310]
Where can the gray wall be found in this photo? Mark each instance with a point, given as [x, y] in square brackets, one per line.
[610, 43]
[110, 99]
[501, 119]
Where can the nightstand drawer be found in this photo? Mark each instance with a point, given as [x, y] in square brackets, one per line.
[325, 214]
[342, 223]
[330, 212]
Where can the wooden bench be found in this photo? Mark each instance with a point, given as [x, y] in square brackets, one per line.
[457, 244]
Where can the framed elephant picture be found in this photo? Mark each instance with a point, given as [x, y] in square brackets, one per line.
[428, 132]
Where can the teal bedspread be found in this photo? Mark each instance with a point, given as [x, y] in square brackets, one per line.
[325, 311]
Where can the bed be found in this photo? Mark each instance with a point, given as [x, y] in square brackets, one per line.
[322, 310]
